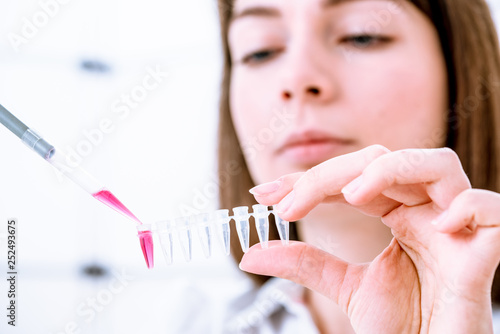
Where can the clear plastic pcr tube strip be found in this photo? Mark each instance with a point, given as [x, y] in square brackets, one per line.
[215, 226]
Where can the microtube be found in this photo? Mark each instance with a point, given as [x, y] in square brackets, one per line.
[241, 217]
[223, 230]
[261, 216]
[165, 231]
[283, 229]
[210, 226]
[204, 228]
[183, 226]
[146, 240]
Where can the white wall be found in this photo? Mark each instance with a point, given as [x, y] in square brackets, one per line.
[157, 159]
[495, 8]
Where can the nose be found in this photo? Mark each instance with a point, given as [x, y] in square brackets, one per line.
[308, 77]
[311, 91]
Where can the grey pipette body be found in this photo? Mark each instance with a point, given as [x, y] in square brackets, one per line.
[28, 136]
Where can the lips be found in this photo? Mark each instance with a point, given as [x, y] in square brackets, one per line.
[312, 147]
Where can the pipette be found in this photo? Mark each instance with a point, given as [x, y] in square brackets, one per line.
[74, 172]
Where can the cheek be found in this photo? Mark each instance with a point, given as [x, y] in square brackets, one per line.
[247, 106]
[408, 105]
[251, 113]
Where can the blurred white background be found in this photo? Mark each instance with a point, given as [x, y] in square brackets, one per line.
[495, 8]
[67, 75]
[63, 77]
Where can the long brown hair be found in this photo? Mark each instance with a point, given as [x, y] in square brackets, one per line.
[470, 47]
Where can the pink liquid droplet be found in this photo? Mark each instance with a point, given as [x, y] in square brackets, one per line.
[146, 240]
[106, 197]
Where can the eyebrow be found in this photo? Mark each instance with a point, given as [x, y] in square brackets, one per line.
[328, 3]
[273, 12]
[258, 11]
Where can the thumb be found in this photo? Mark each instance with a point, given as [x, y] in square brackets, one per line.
[307, 266]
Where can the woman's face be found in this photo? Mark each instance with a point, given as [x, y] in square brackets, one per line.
[314, 79]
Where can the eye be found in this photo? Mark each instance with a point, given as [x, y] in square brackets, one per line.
[259, 56]
[364, 41]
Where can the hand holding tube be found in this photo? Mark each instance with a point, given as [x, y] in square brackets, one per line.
[436, 274]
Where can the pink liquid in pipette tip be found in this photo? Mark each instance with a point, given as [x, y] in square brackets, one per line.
[146, 240]
[106, 197]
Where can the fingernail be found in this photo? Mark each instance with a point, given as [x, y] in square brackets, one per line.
[439, 219]
[286, 202]
[352, 186]
[266, 188]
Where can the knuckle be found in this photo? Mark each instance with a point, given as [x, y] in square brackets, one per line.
[374, 152]
[378, 170]
[290, 179]
[377, 150]
[469, 197]
[313, 183]
[309, 267]
[297, 273]
[453, 168]
[450, 156]
[313, 175]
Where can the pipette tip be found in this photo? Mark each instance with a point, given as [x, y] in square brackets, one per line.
[107, 197]
[145, 237]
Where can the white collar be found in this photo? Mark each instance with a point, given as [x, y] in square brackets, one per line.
[277, 298]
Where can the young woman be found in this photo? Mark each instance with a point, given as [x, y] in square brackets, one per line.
[376, 123]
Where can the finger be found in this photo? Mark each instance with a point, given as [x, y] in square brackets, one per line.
[272, 192]
[305, 265]
[324, 181]
[434, 174]
[473, 207]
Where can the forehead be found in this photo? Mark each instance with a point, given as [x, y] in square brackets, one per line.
[275, 8]
[239, 3]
